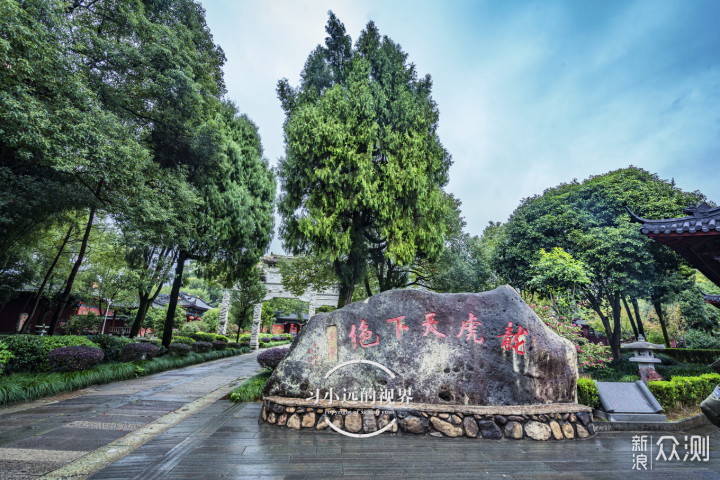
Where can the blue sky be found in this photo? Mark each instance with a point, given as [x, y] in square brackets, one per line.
[531, 93]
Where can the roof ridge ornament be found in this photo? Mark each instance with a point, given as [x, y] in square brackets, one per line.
[699, 210]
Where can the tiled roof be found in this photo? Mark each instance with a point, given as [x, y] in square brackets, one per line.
[702, 218]
[186, 301]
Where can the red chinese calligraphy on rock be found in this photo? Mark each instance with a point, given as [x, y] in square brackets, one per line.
[399, 327]
[429, 325]
[516, 340]
[471, 325]
[363, 334]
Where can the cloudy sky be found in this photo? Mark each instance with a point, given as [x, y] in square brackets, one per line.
[531, 93]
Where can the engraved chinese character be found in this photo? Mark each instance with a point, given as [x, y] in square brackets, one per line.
[471, 325]
[429, 325]
[364, 334]
[516, 340]
[399, 327]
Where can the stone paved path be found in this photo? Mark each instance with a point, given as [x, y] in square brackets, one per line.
[83, 431]
[226, 442]
[175, 426]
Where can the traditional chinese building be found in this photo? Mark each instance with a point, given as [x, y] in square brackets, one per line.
[712, 299]
[194, 306]
[695, 237]
[289, 323]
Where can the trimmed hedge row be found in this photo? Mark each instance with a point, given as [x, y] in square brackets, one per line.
[684, 391]
[693, 355]
[678, 392]
[31, 353]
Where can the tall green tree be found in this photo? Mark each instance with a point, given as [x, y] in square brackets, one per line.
[234, 219]
[364, 167]
[589, 222]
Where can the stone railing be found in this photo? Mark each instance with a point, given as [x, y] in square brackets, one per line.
[557, 421]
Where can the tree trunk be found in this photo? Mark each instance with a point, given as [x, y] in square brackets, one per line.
[177, 282]
[71, 279]
[636, 308]
[38, 295]
[368, 290]
[617, 332]
[632, 321]
[661, 317]
[224, 309]
[143, 307]
[146, 296]
[605, 321]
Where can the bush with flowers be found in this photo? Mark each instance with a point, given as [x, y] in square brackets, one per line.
[589, 354]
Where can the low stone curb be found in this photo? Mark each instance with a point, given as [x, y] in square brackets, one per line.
[688, 423]
[538, 422]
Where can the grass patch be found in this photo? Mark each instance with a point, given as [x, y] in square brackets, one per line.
[274, 344]
[26, 387]
[251, 389]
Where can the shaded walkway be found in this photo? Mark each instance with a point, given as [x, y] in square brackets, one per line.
[85, 430]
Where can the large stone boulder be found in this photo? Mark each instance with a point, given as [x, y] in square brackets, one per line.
[470, 348]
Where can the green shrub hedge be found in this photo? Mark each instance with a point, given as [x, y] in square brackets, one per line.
[587, 393]
[31, 351]
[209, 337]
[111, 345]
[683, 391]
[181, 339]
[693, 355]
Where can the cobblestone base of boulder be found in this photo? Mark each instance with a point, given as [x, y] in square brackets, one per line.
[538, 422]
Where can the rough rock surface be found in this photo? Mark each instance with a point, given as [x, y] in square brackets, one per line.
[513, 430]
[448, 348]
[445, 427]
[538, 431]
[471, 427]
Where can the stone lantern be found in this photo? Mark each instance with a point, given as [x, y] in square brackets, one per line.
[645, 358]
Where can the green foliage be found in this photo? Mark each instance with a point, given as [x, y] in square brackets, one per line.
[689, 355]
[587, 393]
[588, 221]
[684, 391]
[31, 351]
[156, 319]
[189, 328]
[25, 387]
[250, 390]
[326, 309]
[364, 167]
[210, 320]
[5, 356]
[665, 393]
[209, 337]
[84, 324]
[590, 356]
[181, 339]
[702, 340]
[111, 345]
